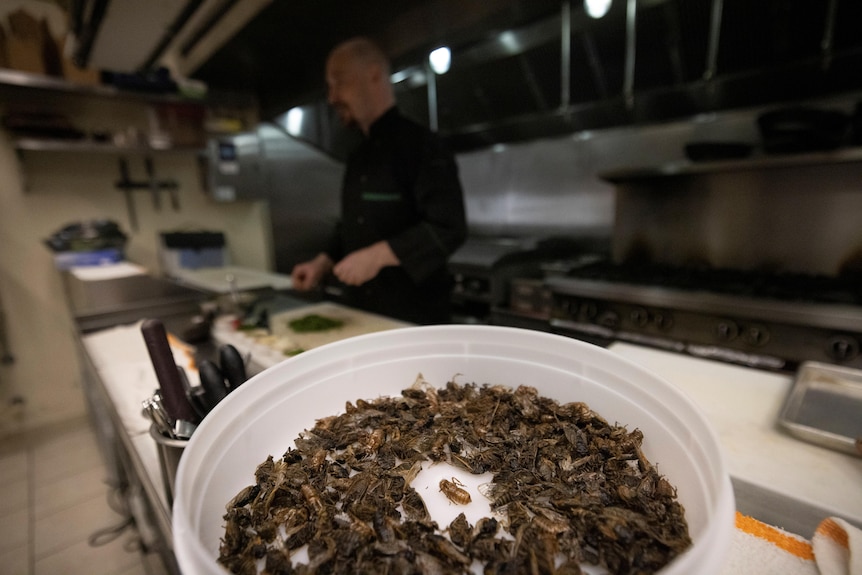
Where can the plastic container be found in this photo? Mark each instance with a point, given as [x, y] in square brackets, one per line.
[265, 415]
[68, 260]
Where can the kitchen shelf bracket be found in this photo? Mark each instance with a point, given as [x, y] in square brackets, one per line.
[22, 173]
[152, 184]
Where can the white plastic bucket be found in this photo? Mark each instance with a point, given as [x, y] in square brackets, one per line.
[268, 412]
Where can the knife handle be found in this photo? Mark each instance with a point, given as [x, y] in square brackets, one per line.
[194, 395]
[212, 382]
[167, 373]
[232, 366]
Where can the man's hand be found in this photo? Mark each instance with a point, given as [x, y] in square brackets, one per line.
[307, 275]
[363, 265]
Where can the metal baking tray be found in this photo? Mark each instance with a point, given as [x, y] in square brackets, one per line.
[824, 406]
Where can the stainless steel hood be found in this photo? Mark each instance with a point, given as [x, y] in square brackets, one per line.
[523, 69]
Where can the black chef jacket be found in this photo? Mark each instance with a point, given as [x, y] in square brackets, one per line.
[401, 185]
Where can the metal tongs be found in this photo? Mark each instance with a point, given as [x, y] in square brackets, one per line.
[154, 410]
[216, 381]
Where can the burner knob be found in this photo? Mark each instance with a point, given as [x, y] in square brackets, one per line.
[842, 348]
[639, 316]
[663, 320]
[609, 319]
[589, 309]
[726, 330]
[756, 335]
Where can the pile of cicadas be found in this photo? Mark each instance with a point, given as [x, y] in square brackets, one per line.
[568, 489]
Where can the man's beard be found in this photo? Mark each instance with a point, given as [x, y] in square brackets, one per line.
[344, 115]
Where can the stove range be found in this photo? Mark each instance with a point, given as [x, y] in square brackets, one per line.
[769, 321]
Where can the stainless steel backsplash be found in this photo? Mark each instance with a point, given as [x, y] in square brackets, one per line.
[800, 218]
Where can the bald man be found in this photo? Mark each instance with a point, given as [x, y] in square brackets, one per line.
[402, 206]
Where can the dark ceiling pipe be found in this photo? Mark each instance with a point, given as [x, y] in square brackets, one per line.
[827, 44]
[711, 68]
[170, 33]
[89, 31]
[76, 17]
[204, 29]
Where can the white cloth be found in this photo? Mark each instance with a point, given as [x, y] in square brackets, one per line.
[837, 547]
[761, 549]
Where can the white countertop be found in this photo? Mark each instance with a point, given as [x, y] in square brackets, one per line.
[224, 280]
[743, 405]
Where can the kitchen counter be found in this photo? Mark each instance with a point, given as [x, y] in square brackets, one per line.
[777, 479]
[102, 296]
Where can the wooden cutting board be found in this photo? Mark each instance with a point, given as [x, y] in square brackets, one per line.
[355, 323]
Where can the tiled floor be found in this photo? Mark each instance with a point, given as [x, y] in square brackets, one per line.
[57, 510]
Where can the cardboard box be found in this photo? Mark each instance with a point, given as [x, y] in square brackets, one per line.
[84, 76]
[4, 61]
[30, 46]
[183, 123]
[50, 51]
[25, 42]
[24, 55]
[74, 74]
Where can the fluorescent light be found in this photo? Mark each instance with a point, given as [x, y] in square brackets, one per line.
[509, 41]
[418, 78]
[241, 140]
[400, 76]
[440, 59]
[597, 8]
[293, 121]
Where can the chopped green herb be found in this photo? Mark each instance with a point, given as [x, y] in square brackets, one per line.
[314, 322]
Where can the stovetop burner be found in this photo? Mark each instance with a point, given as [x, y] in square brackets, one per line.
[790, 287]
[755, 318]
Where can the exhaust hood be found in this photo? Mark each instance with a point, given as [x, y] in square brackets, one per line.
[520, 69]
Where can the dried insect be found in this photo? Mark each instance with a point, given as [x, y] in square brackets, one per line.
[244, 497]
[460, 531]
[454, 491]
[487, 490]
[311, 496]
[567, 488]
[372, 442]
[499, 494]
[551, 522]
[414, 507]
[318, 458]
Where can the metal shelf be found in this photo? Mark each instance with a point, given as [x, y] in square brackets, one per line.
[90, 146]
[764, 162]
[25, 80]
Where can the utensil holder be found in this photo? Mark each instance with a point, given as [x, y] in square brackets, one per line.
[170, 450]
